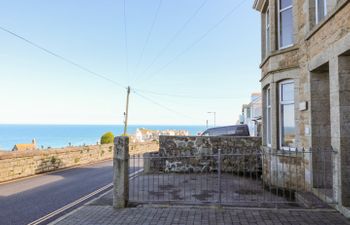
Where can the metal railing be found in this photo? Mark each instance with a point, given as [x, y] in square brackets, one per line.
[261, 178]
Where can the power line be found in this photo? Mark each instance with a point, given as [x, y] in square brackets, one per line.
[189, 47]
[186, 96]
[149, 35]
[126, 41]
[164, 107]
[175, 36]
[61, 57]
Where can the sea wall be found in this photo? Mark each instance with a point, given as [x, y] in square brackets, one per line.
[200, 154]
[15, 165]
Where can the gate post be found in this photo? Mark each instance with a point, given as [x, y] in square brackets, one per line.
[121, 172]
[219, 174]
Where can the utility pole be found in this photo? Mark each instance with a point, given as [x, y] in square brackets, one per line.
[126, 111]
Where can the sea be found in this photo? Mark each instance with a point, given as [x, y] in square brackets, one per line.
[58, 136]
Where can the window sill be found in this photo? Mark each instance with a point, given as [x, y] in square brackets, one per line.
[328, 17]
[283, 152]
[278, 52]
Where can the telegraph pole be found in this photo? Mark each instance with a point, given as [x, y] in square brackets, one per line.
[126, 111]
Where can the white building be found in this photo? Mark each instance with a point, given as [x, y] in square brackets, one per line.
[252, 114]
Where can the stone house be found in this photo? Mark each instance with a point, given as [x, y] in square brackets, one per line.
[25, 147]
[305, 84]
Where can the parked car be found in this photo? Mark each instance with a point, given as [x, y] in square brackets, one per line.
[235, 130]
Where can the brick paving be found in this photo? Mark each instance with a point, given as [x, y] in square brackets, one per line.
[175, 215]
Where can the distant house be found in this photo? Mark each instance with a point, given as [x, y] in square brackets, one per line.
[252, 114]
[25, 147]
[143, 134]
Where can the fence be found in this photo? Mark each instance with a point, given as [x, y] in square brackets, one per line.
[256, 178]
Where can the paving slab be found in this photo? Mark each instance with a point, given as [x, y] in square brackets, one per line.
[161, 215]
[101, 212]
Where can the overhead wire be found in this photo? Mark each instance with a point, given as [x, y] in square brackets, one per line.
[148, 35]
[163, 106]
[69, 61]
[186, 96]
[83, 68]
[174, 37]
[194, 43]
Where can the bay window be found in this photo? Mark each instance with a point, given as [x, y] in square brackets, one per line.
[286, 115]
[285, 23]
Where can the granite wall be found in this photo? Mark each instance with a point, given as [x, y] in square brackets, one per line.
[14, 165]
[200, 154]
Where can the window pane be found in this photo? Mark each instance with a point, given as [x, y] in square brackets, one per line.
[285, 3]
[286, 28]
[287, 92]
[268, 127]
[288, 125]
[267, 31]
[320, 9]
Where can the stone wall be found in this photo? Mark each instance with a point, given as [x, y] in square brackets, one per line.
[200, 154]
[287, 170]
[15, 165]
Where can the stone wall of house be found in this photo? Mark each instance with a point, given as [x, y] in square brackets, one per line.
[288, 170]
[15, 165]
[200, 154]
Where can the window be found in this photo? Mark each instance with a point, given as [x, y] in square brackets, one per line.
[285, 23]
[286, 112]
[321, 10]
[267, 31]
[268, 117]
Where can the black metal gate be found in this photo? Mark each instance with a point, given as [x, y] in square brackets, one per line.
[257, 179]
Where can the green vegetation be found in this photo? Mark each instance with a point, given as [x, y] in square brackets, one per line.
[107, 138]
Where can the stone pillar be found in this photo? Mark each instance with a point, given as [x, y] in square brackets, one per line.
[121, 172]
[344, 122]
[340, 127]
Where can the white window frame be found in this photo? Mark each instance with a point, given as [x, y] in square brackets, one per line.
[280, 103]
[279, 23]
[316, 10]
[268, 120]
[267, 32]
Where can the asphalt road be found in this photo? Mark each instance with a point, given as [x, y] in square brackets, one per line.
[27, 200]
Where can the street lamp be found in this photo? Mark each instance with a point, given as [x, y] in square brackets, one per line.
[214, 113]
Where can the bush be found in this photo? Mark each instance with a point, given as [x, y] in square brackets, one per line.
[107, 138]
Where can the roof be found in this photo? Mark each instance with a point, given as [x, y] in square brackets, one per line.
[24, 147]
[258, 5]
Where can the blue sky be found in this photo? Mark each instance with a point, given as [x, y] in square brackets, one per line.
[39, 88]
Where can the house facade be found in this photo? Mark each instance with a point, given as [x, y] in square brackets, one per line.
[252, 113]
[305, 83]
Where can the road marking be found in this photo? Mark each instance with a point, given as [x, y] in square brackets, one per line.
[70, 205]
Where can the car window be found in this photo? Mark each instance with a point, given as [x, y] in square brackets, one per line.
[231, 130]
[241, 131]
[218, 131]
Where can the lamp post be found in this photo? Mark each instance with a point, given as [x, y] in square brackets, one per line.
[214, 113]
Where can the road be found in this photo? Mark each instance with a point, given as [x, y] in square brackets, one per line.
[27, 200]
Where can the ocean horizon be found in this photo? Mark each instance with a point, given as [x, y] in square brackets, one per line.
[58, 136]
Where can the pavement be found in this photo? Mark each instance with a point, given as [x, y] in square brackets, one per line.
[26, 200]
[101, 212]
